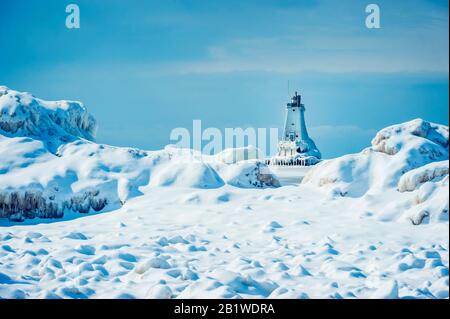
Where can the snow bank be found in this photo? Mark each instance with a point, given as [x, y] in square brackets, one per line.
[413, 135]
[198, 175]
[49, 165]
[416, 177]
[180, 241]
[395, 150]
[402, 157]
[82, 177]
[87, 177]
[429, 203]
[350, 175]
[55, 122]
[249, 174]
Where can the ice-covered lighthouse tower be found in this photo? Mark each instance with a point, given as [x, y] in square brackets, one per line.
[295, 146]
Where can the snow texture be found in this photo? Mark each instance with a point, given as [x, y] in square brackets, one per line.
[50, 166]
[55, 122]
[175, 224]
[402, 158]
[416, 177]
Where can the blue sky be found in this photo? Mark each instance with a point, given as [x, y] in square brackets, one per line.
[145, 67]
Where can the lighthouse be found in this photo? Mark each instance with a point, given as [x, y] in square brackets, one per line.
[296, 148]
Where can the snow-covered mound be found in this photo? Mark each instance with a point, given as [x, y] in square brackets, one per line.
[248, 174]
[49, 166]
[85, 177]
[235, 155]
[416, 177]
[395, 150]
[401, 158]
[199, 175]
[82, 177]
[55, 122]
[416, 137]
[430, 203]
[189, 227]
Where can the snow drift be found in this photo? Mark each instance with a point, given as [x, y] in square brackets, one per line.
[197, 232]
[55, 122]
[403, 158]
[248, 174]
[416, 177]
[50, 164]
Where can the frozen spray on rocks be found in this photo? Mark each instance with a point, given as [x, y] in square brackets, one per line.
[51, 164]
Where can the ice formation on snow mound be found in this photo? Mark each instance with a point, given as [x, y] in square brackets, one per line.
[55, 122]
[402, 158]
[83, 177]
[430, 203]
[50, 166]
[395, 150]
[391, 139]
[416, 177]
[249, 174]
[87, 177]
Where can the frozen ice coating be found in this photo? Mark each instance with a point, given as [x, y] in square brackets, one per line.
[50, 165]
[88, 177]
[295, 129]
[416, 177]
[391, 139]
[395, 150]
[80, 219]
[296, 147]
[54, 122]
[402, 158]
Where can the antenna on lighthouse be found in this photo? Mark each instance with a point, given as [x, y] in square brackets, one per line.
[289, 93]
